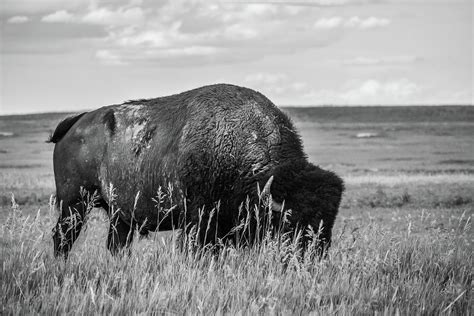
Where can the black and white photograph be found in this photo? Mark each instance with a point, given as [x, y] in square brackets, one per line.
[236, 157]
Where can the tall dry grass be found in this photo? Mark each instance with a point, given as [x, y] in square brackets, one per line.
[402, 265]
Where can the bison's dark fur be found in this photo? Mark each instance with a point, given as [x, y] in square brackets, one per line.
[214, 143]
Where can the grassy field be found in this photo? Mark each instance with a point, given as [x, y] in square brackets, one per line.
[403, 241]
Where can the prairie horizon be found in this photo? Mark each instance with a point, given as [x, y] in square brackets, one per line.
[283, 107]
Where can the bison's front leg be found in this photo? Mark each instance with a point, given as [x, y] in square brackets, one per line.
[120, 234]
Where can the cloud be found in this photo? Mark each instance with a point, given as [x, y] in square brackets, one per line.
[145, 39]
[213, 31]
[159, 37]
[312, 3]
[189, 55]
[26, 7]
[259, 9]
[328, 23]
[121, 16]
[391, 60]
[239, 31]
[61, 16]
[368, 92]
[41, 7]
[198, 31]
[108, 58]
[265, 78]
[276, 84]
[398, 89]
[188, 51]
[352, 22]
[18, 19]
[371, 22]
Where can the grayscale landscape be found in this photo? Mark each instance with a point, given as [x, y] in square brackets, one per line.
[183, 99]
[402, 242]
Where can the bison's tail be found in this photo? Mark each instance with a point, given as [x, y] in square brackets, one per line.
[63, 128]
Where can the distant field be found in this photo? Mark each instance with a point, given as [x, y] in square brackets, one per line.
[404, 240]
[401, 140]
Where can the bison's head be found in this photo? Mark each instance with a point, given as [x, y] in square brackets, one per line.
[313, 195]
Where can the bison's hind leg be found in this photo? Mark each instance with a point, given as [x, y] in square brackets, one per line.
[72, 212]
[73, 206]
[120, 234]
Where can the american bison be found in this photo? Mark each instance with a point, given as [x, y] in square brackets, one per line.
[213, 145]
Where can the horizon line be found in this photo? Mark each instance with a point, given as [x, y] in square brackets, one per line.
[279, 106]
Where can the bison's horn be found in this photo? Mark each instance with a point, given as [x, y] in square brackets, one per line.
[276, 207]
[266, 188]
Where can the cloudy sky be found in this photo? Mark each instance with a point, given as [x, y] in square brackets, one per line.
[59, 55]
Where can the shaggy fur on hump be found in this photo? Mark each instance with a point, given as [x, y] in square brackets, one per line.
[63, 127]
